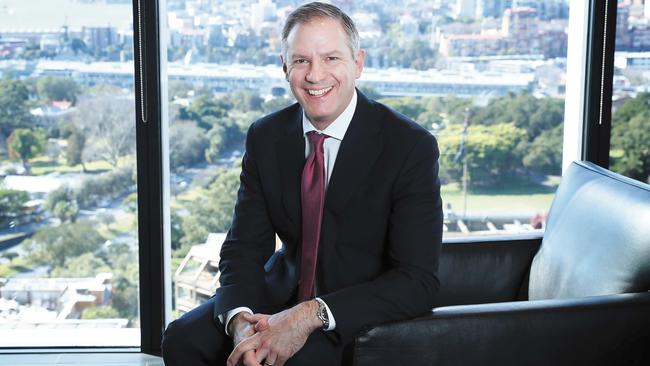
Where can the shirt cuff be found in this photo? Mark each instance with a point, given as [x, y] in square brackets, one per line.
[330, 316]
[231, 313]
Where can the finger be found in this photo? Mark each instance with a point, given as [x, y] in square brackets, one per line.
[249, 359]
[254, 318]
[280, 361]
[262, 324]
[271, 360]
[262, 353]
[248, 344]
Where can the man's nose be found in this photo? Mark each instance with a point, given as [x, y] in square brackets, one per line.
[315, 72]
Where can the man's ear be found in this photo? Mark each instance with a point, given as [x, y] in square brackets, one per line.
[284, 68]
[358, 63]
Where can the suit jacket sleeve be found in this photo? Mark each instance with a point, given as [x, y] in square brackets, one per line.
[407, 289]
[249, 242]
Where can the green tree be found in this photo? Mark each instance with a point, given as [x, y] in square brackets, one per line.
[187, 144]
[214, 212]
[14, 107]
[205, 105]
[62, 203]
[11, 204]
[52, 245]
[58, 88]
[246, 100]
[26, 144]
[120, 258]
[100, 312]
[85, 265]
[632, 137]
[544, 154]
[489, 150]
[524, 110]
[276, 104]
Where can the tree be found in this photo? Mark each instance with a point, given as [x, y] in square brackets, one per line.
[490, 152]
[58, 88]
[85, 265]
[62, 202]
[632, 138]
[525, 111]
[75, 148]
[110, 124]
[11, 204]
[214, 212]
[187, 144]
[205, 105]
[14, 107]
[544, 154]
[25, 144]
[276, 104]
[100, 312]
[246, 100]
[52, 245]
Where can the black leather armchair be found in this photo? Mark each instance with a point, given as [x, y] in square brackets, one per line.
[577, 296]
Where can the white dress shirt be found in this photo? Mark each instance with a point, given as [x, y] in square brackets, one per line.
[335, 132]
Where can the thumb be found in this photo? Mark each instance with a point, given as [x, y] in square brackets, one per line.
[262, 324]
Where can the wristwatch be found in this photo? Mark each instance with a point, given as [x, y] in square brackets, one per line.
[322, 313]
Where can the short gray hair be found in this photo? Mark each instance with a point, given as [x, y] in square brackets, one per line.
[314, 10]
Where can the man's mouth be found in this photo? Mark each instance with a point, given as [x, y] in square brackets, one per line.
[318, 92]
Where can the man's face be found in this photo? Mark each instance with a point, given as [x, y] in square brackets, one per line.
[321, 70]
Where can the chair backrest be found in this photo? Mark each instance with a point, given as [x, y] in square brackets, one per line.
[597, 238]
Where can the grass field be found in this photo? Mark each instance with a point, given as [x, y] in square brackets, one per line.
[513, 197]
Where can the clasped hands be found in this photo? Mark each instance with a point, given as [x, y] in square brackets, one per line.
[272, 338]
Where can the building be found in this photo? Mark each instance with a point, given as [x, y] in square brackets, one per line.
[197, 277]
[492, 8]
[520, 26]
[471, 45]
[465, 9]
[48, 299]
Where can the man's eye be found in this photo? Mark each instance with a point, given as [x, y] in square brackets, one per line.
[332, 58]
[300, 61]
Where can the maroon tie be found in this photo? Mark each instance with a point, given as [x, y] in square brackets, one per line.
[312, 192]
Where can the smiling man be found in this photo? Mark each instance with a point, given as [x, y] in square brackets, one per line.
[351, 189]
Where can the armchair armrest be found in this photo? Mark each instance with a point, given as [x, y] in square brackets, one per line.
[485, 270]
[607, 330]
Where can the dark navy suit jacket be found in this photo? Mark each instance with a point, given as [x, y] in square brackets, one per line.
[382, 221]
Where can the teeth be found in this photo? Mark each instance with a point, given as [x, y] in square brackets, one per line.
[319, 92]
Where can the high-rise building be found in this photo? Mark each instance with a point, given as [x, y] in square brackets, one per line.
[465, 9]
[491, 8]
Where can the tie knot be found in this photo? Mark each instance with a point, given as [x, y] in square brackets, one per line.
[316, 138]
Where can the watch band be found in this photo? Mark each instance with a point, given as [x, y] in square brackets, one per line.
[321, 313]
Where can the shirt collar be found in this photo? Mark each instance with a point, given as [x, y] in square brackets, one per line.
[340, 125]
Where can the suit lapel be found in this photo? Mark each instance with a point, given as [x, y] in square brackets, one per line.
[290, 151]
[359, 150]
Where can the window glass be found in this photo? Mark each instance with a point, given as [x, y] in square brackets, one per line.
[487, 78]
[630, 138]
[68, 220]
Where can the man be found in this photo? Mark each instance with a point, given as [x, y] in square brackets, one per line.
[350, 187]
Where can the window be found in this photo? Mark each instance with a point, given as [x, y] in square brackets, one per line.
[486, 78]
[68, 204]
[630, 133]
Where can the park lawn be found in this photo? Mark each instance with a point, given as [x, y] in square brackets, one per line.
[126, 223]
[45, 165]
[513, 197]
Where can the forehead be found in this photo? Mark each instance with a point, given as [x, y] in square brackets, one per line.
[319, 34]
